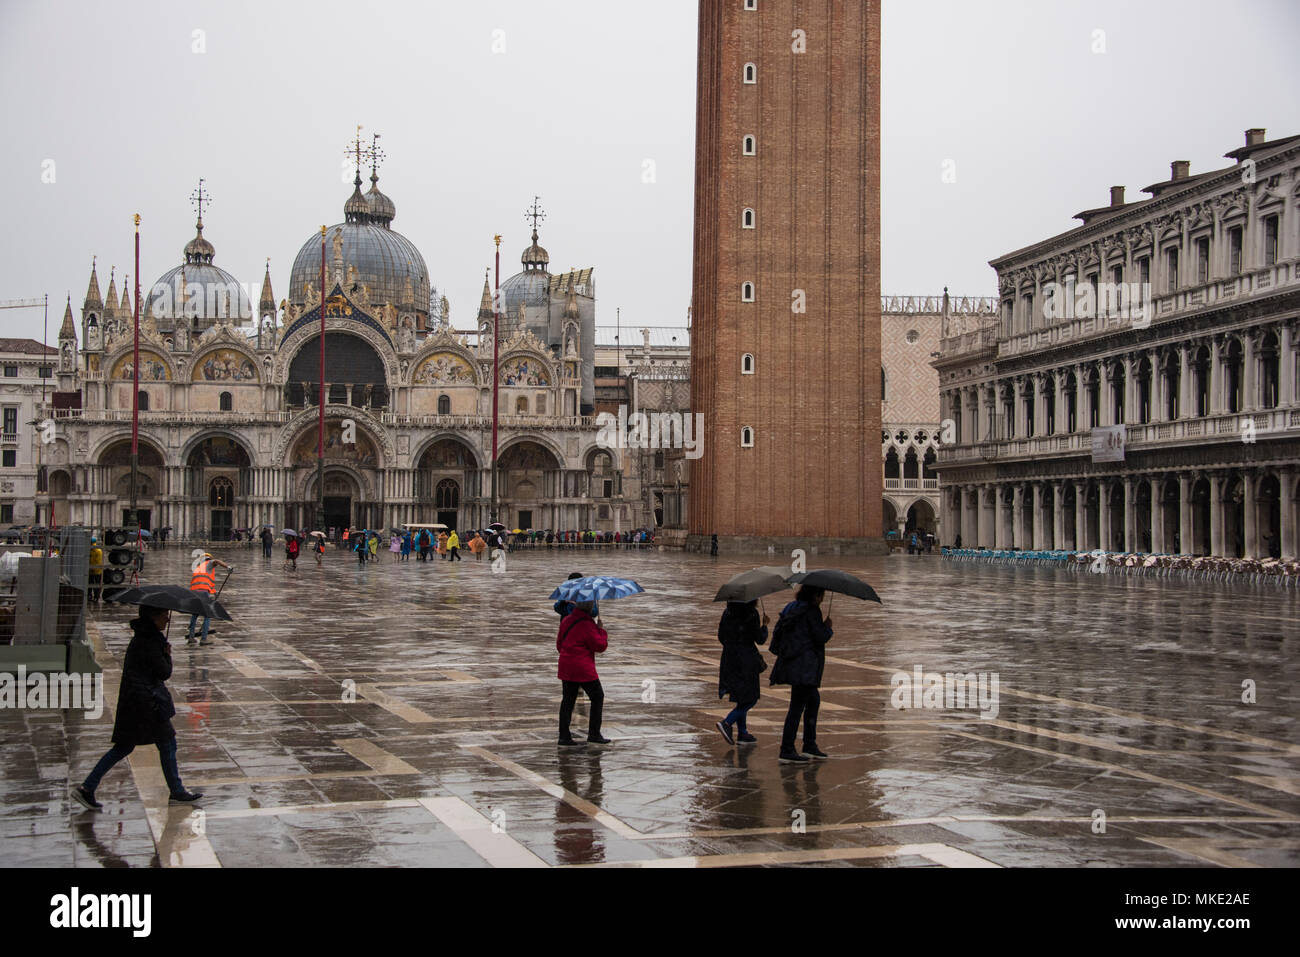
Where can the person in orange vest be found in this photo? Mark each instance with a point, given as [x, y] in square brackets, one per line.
[204, 579]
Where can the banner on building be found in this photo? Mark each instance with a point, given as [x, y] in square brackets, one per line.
[1108, 443]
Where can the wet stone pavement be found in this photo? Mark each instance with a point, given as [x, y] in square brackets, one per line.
[405, 714]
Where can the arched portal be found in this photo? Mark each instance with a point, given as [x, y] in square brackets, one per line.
[1200, 543]
[343, 500]
[216, 487]
[447, 475]
[890, 516]
[527, 471]
[1234, 517]
[117, 459]
[920, 517]
[1268, 518]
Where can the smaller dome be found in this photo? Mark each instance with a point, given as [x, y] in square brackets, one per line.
[356, 209]
[198, 249]
[535, 257]
[382, 209]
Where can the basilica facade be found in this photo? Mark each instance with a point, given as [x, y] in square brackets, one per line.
[1139, 388]
[230, 395]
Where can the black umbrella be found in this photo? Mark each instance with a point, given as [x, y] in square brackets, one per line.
[172, 597]
[834, 580]
[753, 584]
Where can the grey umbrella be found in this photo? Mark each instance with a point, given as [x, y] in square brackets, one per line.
[171, 597]
[753, 584]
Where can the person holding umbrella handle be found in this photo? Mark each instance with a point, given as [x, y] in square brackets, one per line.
[144, 709]
[580, 639]
[799, 644]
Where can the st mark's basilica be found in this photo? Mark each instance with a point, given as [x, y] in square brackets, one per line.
[229, 395]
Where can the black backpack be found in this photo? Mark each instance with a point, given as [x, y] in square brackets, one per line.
[785, 625]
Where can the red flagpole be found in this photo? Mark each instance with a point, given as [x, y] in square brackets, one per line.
[496, 377]
[135, 390]
[320, 432]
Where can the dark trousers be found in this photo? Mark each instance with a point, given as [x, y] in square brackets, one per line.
[805, 700]
[266, 549]
[455, 554]
[166, 755]
[595, 694]
[737, 715]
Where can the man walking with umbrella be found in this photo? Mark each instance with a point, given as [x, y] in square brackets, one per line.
[204, 580]
[144, 709]
[800, 648]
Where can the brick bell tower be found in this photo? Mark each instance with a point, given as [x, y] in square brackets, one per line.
[785, 344]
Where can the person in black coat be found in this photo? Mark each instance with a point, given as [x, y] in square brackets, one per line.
[800, 649]
[144, 708]
[740, 632]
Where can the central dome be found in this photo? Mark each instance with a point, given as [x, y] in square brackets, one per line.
[198, 290]
[383, 259]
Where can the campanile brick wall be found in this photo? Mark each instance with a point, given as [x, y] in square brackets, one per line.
[814, 186]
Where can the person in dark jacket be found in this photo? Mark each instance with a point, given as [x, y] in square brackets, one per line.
[740, 632]
[144, 708]
[267, 539]
[580, 639]
[800, 649]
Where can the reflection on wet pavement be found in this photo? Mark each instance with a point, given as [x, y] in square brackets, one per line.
[405, 714]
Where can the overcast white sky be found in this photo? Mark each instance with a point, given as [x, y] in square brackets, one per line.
[1037, 124]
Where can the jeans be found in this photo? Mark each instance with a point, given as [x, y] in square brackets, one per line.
[166, 755]
[595, 694]
[266, 550]
[207, 622]
[737, 716]
[804, 701]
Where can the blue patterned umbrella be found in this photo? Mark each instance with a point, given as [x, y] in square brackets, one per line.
[596, 588]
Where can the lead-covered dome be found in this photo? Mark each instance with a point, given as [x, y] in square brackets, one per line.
[198, 290]
[530, 287]
[384, 260]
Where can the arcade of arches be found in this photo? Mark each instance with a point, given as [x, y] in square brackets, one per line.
[1236, 513]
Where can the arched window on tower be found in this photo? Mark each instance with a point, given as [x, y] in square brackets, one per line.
[751, 73]
[747, 292]
[750, 146]
[747, 219]
[227, 402]
[746, 438]
[747, 364]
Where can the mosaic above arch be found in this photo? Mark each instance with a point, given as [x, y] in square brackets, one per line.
[444, 368]
[225, 365]
[359, 452]
[525, 371]
[153, 368]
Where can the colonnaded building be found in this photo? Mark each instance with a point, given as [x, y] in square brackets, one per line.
[1138, 390]
[228, 409]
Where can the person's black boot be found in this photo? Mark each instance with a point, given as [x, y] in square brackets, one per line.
[793, 757]
[812, 751]
[86, 799]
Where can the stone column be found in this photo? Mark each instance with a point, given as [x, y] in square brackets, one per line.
[1249, 374]
[1104, 398]
[1038, 517]
[1250, 531]
[946, 515]
[1130, 515]
[1287, 513]
[1286, 366]
[1018, 516]
[1080, 517]
[1058, 515]
[970, 517]
[999, 520]
[1157, 387]
[1018, 429]
[1216, 380]
[1103, 517]
[982, 536]
[1185, 544]
[1216, 514]
[1186, 407]
[1157, 517]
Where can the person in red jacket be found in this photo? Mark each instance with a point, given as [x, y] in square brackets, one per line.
[581, 638]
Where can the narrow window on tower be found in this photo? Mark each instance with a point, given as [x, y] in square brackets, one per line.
[746, 438]
[751, 73]
[747, 292]
[751, 4]
[747, 364]
[748, 219]
[750, 149]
